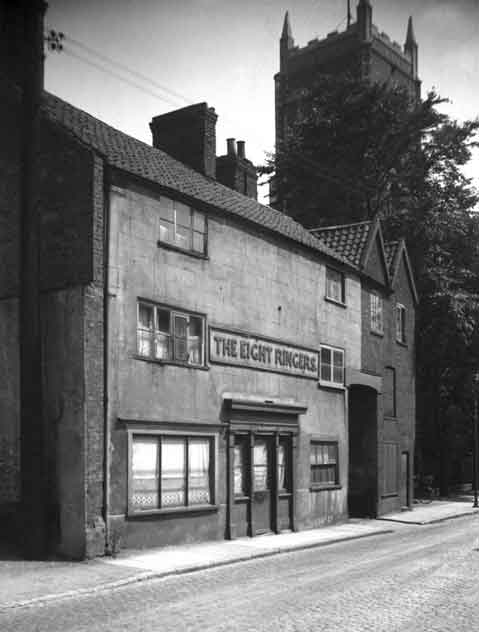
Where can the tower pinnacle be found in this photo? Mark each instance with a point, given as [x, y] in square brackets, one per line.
[410, 37]
[286, 43]
[410, 47]
[287, 32]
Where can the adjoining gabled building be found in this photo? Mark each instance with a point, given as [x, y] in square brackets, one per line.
[381, 413]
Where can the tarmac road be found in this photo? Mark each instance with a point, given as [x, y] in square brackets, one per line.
[420, 578]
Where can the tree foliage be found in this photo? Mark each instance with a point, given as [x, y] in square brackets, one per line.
[358, 151]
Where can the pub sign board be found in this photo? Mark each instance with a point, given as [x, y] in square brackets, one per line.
[263, 354]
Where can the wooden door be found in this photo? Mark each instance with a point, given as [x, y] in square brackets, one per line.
[404, 483]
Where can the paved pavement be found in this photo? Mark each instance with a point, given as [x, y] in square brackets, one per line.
[25, 583]
[435, 511]
[420, 578]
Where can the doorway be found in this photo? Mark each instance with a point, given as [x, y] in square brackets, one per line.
[363, 449]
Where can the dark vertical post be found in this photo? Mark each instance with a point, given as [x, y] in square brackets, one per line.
[275, 483]
[33, 437]
[476, 438]
[251, 484]
[294, 444]
[230, 443]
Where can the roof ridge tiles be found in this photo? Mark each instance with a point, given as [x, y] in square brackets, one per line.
[341, 226]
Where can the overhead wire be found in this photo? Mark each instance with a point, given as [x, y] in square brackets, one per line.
[117, 75]
[104, 59]
[126, 69]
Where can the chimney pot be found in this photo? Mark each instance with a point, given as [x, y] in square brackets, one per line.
[241, 150]
[231, 145]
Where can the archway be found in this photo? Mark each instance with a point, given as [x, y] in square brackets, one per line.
[363, 450]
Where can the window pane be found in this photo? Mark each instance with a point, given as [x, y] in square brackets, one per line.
[334, 285]
[183, 215]
[172, 472]
[180, 339]
[183, 237]
[167, 231]
[338, 360]
[199, 242]
[239, 468]
[145, 473]
[324, 463]
[376, 309]
[195, 340]
[283, 453]
[260, 466]
[163, 320]
[145, 329]
[199, 221]
[325, 364]
[167, 209]
[162, 346]
[198, 471]
[145, 316]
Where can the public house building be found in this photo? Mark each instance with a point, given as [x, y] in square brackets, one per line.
[211, 369]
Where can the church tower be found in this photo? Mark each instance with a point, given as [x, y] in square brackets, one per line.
[361, 49]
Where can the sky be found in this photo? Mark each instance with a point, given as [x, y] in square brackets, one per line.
[226, 52]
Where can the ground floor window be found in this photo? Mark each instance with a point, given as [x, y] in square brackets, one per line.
[171, 471]
[324, 464]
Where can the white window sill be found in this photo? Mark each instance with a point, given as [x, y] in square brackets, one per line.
[331, 385]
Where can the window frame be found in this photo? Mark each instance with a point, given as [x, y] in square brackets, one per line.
[173, 244]
[393, 393]
[332, 299]
[174, 312]
[401, 321]
[378, 330]
[331, 383]
[212, 439]
[318, 486]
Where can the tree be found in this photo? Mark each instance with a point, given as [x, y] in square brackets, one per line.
[361, 150]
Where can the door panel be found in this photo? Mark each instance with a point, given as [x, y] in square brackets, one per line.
[404, 489]
[262, 483]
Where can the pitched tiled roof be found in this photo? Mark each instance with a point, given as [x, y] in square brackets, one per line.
[138, 158]
[348, 240]
[390, 250]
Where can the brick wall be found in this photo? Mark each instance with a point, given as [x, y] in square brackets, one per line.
[72, 327]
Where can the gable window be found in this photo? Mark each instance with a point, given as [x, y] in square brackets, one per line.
[324, 464]
[331, 366]
[170, 472]
[400, 323]
[170, 335]
[376, 313]
[335, 285]
[182, 226]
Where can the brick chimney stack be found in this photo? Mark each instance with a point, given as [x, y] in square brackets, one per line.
[235, 171]
[189, 135]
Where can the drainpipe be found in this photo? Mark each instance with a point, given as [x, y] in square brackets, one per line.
[106, 347]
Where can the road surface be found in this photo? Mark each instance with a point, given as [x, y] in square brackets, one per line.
[420, 578]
